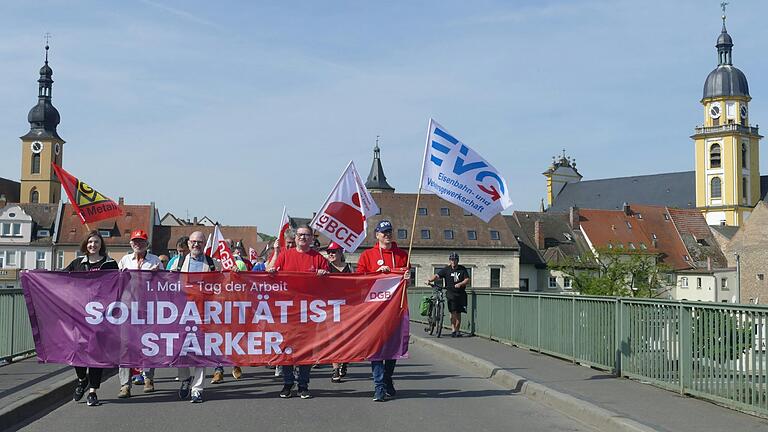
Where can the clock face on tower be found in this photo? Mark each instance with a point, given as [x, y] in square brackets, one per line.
[714, 111]
[743, 111]
[36, 147]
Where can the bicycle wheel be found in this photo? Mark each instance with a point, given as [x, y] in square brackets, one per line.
[433, 318]
[439, 317]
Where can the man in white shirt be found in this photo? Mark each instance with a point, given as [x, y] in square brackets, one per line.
[140, 259]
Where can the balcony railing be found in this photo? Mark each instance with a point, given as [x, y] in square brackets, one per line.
[727, 128]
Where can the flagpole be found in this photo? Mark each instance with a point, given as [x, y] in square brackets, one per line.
[416, 209]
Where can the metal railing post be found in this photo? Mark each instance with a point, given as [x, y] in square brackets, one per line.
[573, 328]
[685, 347]
[538, 323]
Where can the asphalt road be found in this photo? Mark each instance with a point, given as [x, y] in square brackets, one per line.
[433, 395]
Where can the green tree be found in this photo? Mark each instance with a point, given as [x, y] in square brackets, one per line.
[616, 273]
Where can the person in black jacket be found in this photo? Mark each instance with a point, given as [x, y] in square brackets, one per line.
[95, 259]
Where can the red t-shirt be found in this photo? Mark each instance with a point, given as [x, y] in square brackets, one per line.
[293, 260]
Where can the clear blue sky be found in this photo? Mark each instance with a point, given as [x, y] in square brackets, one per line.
[274, 98]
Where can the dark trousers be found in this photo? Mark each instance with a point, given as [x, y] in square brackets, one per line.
[382, 373]
[92, 376]
[303, 378]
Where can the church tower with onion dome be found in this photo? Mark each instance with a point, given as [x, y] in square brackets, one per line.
[727, 146]
[41, 146]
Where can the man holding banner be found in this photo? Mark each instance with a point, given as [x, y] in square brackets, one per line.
[302, 258]
[383, 257]
[140, 259]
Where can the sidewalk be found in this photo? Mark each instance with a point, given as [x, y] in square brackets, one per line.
[29, 389]
[644, 404]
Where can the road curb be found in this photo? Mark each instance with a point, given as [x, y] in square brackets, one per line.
[583, 411]
[37, 402]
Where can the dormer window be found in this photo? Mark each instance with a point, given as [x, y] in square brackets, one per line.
[105, 233]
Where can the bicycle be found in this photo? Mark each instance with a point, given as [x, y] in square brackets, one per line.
[436, 312]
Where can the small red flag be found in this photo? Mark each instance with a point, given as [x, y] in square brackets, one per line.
[91, 205]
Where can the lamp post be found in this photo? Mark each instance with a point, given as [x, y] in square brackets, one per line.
[738, 277]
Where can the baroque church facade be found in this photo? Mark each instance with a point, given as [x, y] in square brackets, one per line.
[726, 184]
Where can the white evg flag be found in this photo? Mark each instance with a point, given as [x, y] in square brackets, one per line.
[459, 175]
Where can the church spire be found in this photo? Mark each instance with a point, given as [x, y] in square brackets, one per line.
[44, 117]
[377, 181]
[724, 43]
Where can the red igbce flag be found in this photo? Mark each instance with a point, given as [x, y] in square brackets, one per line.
[91, 205]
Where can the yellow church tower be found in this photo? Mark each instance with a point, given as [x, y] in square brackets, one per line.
[727, 147]
[41, 146]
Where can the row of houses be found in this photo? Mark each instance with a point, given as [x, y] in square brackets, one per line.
[48, 236]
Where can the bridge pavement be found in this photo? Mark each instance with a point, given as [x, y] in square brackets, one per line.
[434, 394]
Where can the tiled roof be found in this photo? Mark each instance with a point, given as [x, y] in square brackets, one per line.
[726, 231]
[43, 216]
[677, 189]
[165, 237]
[698, 238]
[635, 232]
[560, 240]
[72, 231]
[11, 189]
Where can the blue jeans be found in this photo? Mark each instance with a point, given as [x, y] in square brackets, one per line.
[382, 373]
[303, 376]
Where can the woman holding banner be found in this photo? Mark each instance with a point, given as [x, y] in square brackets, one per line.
[95, 259]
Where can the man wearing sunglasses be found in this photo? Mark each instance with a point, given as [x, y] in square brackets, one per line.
[302, 258]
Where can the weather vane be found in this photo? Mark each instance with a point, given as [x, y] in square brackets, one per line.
[47, 37]
[722, 6]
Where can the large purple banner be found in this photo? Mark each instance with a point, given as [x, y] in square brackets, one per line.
[170, 319]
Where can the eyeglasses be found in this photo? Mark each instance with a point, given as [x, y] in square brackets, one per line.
[196, 241]
[333, 252]
[303, 235]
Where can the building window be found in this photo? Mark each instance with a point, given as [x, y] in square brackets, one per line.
[495, 277]
[445, 211]
[40, 260]
[6, 229]
[59, 260]
[448, 234]
[412, 279]
[36, 163]
[552, 282]
[10, 258]
[631, 245]
[683, 282]
[425, 234]
[471, 235]
[495, 235]
[467, 213]
[34, 196]
[629, 225]
[422, 211]
[715, 187]
[714, 156]
[16, 229]
[567, 283]
[724, 284]
[402, 234]
[744, 188]
[524, 284]
[760, 276]
[698, 283]
[743, 155]
[2, 259]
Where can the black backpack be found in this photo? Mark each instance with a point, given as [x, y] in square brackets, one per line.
[209, 260]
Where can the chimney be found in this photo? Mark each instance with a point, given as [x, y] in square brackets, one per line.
[574, 218]
[538, 234]
[709, 263]
[194, 221]
[120, 201]
[626, 209]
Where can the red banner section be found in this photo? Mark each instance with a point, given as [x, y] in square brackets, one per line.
[169, 319]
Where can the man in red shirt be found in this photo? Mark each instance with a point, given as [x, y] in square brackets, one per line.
[302, 258]
[383, 257]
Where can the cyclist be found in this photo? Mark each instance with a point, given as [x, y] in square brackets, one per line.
[456, 279]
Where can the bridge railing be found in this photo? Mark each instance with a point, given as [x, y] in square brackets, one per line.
[710, 350]
[15, 331]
